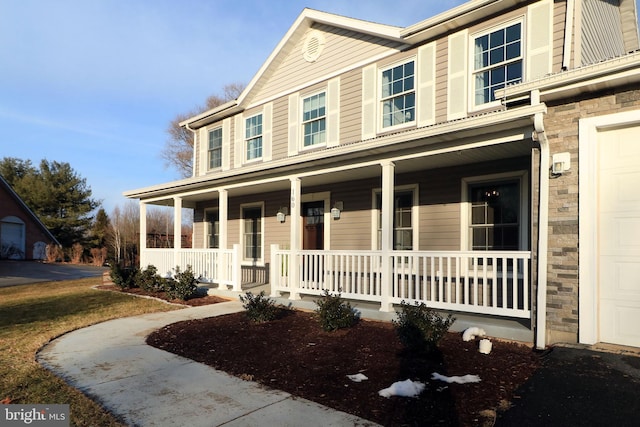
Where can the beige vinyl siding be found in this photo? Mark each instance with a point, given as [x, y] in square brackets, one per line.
[601, 36]
[280, 124]
[628, 15]
[342, 48]
[559, 17]
[442, 52]
[350, 106]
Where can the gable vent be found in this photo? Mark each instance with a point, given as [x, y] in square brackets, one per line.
[313, 45]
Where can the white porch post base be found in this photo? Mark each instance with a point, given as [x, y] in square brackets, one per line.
[236, 269]
[274, 272]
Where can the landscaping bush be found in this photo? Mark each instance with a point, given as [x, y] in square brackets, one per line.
[183, 285]
[124, 278]
[334, 312]
[420, 328]
[150, 280]
[259, 307]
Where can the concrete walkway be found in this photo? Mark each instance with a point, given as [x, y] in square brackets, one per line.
[145, 386]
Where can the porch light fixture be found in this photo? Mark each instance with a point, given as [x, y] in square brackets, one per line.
[282, 213]
[335, 211]
[560, 163]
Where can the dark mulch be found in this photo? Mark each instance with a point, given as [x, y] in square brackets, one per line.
[293, 354]
[192, 302]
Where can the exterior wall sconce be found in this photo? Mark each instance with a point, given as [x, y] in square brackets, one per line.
[282, 213]
[337, 208]
[560, 163]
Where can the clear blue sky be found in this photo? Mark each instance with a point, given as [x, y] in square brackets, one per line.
[95, 83]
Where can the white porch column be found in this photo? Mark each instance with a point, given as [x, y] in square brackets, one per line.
[143, 235]
[295, 239]
[177, 231]
[388, 179]
[223, 209]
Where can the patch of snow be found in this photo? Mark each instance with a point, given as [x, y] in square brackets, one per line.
[406, 388]
[458, 380]
[357, 377]
[472, 332]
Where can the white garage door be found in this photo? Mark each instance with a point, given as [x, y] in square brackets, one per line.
[619, 235]
[12, 240]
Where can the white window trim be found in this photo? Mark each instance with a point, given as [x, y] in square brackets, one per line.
[471, 57]
[301, 146]
[245, 139]
[206, 231]
[465, 205]
[207, 150]
[379, 111]
[415, 212]
[260, 262]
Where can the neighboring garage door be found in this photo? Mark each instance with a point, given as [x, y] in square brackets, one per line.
[12, 238]
[619, 235]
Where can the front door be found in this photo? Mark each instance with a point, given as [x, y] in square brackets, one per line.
[313, 225]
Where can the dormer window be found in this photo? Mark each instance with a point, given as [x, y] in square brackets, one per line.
[253, 137]
[497, 60]
[398, 95]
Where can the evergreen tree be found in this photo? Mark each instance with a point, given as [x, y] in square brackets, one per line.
[56, 194]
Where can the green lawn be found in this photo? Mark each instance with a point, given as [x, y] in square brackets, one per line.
[32, 315]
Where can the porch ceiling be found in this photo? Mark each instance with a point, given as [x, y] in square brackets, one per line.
[344, 172]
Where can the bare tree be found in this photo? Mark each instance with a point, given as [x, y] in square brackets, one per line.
[178, 149]
[124, 237]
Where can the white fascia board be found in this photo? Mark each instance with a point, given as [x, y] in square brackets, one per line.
[455, 18]
[611, 73]
[226, 109]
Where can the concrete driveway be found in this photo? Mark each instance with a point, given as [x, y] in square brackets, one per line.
[24, 272]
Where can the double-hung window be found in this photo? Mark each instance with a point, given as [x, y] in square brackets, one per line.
[402, 220]
[314, 119]
[398, 95]
[497, 61]
[253, 137]
[252, 233]
[495, 216]
[212, 224]
[215, 148]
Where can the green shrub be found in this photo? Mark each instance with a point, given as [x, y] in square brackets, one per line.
[150, 280]
[334, 312]
[420, 328]
[259, 308]
[183, 285]
[124, 278]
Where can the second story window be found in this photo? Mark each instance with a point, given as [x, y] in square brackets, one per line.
[497, 61]
[215, 148]
[253, 137]
[398, 96]
[314, 120]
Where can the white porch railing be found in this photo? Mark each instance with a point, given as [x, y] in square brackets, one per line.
[496, 282]
[221, 266]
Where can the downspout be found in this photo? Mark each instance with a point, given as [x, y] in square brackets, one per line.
[568, 35]
[193, 161]
[543, 225]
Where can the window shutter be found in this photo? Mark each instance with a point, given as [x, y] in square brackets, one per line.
[239, 153]
[333, 113]
[226, 144]
[369, 119]
[294, 105]
[539, 39]
[267, 119]
[457, 76]
[202, 144]
[426, 85]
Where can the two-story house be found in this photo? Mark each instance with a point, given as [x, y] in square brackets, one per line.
[438, 163]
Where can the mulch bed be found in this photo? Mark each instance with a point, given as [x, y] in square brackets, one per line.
[192, 302]
[293, 354]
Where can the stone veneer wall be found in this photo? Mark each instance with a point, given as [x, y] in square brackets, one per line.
[561, 127]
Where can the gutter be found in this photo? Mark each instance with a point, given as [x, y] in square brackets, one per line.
[543, 225]
[568, 35]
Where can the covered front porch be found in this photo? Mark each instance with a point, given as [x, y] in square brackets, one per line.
[251, 226]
